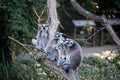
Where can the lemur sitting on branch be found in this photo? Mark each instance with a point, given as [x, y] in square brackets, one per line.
[72, 50]
[42, 37]
[53, 53]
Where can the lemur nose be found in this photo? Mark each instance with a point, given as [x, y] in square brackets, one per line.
[43, 27]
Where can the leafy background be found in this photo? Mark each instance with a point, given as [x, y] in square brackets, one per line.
[18, 20]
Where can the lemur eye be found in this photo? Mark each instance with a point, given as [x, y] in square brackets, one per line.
[57, 36]
[71, 42]
[67, 43]
[47, 25]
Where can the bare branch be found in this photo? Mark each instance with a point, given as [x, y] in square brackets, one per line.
[94, 34]
[19, 43]
[72, 75]
[52, 13]
[41, 14]
[102, 19]
[36, 12]
[86, 13]
[28, 45]
[39, 17]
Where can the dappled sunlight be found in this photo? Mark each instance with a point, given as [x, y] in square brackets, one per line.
[108, 53]
[102, 52]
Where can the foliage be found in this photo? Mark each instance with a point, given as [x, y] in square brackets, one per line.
[108, 7]
[99, 7]
[20, 20]
[26, 70]
[95, 68]
[92, 68]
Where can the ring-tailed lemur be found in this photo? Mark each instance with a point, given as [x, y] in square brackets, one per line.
[42, 36]
[62, 56]
[53, 53]
[73, 54]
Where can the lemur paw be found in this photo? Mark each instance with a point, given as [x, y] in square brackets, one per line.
[39, 48]
[34, 42]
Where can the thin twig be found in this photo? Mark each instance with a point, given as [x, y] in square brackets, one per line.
[43, 11]
[29, 45]
[19, 43]
[36, 13]
[66, 11]
[94, 34]
[39, 17]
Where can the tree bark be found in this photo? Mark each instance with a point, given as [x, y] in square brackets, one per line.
[102, 19]
[54, 23]
[72, 75]
[114, 21]
[52, 14]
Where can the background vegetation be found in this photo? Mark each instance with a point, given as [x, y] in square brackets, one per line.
[92, 68]
[67, 13]
[18, 20]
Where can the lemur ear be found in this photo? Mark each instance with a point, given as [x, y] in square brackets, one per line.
[61, 34]
[39, 25]
[71, 43]
[47, 25]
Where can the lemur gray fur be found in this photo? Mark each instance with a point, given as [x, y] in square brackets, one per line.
[73, 53]
[42, 36]
[53, 53]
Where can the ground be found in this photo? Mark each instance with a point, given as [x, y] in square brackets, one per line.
[101, 51]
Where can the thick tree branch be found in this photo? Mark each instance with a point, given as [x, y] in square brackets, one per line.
[19, 43]
[54, 23]
[114, 21]
[86, 13]
[102, 19]
[52, 14]
[72, 75]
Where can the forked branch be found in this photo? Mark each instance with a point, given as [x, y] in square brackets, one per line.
[101, 19]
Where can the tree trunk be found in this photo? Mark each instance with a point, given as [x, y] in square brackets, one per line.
[102, 19]
[52, 14]
[54, 23]
[72, 75]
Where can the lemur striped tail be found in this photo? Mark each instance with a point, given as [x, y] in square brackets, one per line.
[64, 64]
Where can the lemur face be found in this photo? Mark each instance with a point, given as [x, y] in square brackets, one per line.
[69, 42]
[58, 35]
[44, 27]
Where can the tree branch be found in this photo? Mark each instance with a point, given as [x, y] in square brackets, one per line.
[86, 13]
[72, 75]
[52, 65]
[52, 13]
[19, 43]
[39, 17]
[102, 19]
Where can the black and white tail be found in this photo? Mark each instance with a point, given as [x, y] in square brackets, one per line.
[64, 64]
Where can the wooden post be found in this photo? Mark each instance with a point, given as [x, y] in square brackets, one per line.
[94, 37]
[101, 41]
[75, 32]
